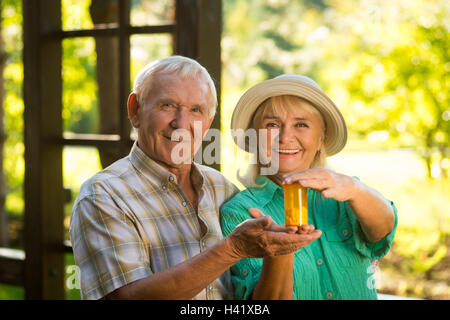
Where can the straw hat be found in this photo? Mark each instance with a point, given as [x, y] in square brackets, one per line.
[295, 85]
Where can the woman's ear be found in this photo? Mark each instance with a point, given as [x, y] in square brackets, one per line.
[133, 107]
[321, 141]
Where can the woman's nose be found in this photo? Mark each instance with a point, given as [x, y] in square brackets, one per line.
[285, 135]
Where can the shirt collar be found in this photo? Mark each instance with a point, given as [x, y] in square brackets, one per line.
[265, 194]
[152, 170]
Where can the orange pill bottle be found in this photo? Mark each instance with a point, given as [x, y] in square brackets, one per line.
[295, 205]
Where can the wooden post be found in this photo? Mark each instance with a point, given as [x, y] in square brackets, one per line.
[44, 196]
[197, 36]
[4, 237]
[106, 12]
[124, 76]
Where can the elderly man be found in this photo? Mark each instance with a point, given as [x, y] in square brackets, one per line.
[147, 227]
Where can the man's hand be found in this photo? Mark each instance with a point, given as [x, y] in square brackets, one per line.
[261, 237]
[303, 229]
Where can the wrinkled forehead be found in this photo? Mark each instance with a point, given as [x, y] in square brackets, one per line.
[167, 84]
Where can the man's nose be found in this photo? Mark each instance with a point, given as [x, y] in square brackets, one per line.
[181, 120]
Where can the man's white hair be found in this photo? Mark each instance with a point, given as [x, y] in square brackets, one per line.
[184, 67]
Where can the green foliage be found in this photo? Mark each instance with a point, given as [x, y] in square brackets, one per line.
[394, 87]
[386, 64]
[13, 161]
[75, 14]
[420, 249]
[80, 107]
[8, 292]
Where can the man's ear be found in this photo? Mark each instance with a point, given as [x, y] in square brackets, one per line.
[133, 107]
[210, 122]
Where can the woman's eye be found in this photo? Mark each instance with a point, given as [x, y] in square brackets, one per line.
[301, 125]
[271, 125]
[196, 109]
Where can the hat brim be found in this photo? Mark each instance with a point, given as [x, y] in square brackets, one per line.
[336, 128]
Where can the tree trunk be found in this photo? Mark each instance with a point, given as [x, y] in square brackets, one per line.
[4, 237]
[104, 12]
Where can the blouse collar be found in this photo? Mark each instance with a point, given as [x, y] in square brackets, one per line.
[265, 194]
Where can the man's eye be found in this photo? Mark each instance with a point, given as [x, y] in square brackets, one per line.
[197, 109]
[167, 105]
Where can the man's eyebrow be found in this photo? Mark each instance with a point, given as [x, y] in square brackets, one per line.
[163, 100]
[166, 99]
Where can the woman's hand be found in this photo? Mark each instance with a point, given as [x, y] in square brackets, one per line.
[371, 209]
[331, 184]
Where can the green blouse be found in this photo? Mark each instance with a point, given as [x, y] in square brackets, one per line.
[336, 266]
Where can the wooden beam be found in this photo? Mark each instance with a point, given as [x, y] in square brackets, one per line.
[197, 35]
[44, 194]
[12, 266]
[110, 30]
[94, 140]
[124, 76]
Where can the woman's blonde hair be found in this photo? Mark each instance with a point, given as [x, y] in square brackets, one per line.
[280, 105]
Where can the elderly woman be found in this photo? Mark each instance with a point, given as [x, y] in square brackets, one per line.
[356, 221]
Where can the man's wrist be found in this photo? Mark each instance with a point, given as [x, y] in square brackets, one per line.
[229, 250]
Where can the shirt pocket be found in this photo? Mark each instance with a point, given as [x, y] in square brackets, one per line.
[342, 250]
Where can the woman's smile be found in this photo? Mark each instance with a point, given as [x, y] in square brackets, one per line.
[287, 152]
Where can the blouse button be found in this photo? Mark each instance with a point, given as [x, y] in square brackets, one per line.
[329, 295]
[345, 232]
[319, 261]
[245, 272]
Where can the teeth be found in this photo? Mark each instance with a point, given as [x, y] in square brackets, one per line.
[288, 151]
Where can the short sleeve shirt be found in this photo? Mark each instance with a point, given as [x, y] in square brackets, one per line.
[336, 266]
[132, 220]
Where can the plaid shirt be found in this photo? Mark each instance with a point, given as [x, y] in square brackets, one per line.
[132, 219]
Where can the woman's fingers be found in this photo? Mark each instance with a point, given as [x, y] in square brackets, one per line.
[316, 184]
[313, 173]
[331, 184]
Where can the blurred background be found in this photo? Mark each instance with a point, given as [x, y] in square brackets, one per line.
[386, 64]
